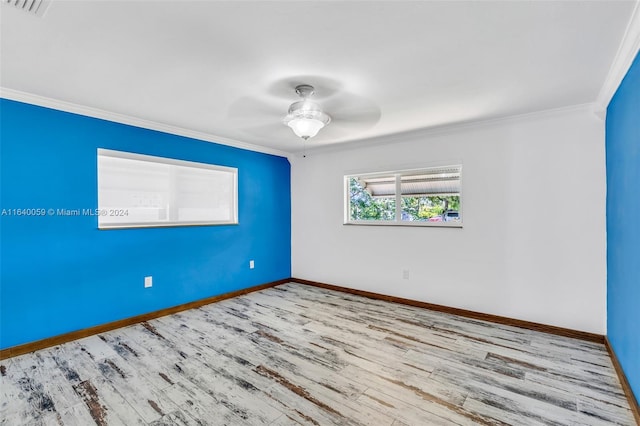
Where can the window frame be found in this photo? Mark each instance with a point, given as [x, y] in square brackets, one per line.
[171, 162]
[398, 198]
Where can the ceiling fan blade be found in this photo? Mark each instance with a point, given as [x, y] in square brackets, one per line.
[248, 110]
[274, 130]
[341, 130]
[352, 108]
[350, 115]
[357, 117]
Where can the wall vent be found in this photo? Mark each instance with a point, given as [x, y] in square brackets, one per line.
[33, 7]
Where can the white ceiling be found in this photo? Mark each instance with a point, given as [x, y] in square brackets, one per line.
[228, 68]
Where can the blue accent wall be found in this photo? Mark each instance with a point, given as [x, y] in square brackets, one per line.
[623, 224]
[60, 274]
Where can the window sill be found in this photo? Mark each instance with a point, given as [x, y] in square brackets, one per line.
[457, 225]
[161, 225]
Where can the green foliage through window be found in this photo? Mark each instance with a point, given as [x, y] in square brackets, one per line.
[425, 208]
[365, 207]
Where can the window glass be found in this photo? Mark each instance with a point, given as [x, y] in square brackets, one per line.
[422, 197]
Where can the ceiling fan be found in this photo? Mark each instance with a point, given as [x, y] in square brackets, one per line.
[324, 110]
[306, 117]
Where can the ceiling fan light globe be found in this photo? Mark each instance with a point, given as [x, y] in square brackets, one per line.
[305, 127]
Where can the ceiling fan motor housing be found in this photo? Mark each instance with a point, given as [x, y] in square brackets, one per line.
[305, 90]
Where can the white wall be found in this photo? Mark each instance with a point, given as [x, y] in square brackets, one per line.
[533, 242]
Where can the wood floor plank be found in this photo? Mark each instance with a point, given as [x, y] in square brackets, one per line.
[18, 404]
[402, 412]
[285, 420]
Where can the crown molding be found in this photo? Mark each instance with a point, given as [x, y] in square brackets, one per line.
[627, 52]
[395, 138]
[29, 98]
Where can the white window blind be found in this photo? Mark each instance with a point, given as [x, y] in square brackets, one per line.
[137, 190]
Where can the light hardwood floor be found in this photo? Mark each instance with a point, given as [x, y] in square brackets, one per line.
[296, 354]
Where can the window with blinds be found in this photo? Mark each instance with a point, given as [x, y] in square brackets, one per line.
[137, 190]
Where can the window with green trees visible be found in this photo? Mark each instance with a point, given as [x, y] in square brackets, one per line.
[411, 197]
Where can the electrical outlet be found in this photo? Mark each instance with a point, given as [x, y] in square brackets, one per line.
[148, 282]
[252, 264]
[405, 274]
